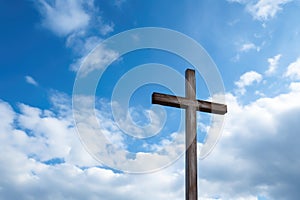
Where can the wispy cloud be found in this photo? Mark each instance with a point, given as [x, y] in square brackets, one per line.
[249, 46]
[273, 64]
[106, 29]
[98, 59]
[266, 9]
[247, 79]
[119, 3]
[244, 47]
[31, 81]
[262, 10]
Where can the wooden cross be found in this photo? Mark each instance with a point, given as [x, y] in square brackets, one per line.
[191, 105]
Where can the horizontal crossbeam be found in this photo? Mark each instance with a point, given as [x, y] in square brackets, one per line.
[181, 102]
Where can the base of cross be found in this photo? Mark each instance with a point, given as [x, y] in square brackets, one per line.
[191, 105]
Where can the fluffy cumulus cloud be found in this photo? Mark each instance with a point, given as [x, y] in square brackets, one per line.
[256, 156]
[44, 159]
[258, 153]
[247, 79]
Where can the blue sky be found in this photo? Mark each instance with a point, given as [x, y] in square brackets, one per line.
[254, 44]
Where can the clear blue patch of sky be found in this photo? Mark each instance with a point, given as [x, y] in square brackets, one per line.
[28, 49]
[54, 161]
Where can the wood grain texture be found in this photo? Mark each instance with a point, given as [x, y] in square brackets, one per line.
[191, 106]
[182, 102]
[191, 188]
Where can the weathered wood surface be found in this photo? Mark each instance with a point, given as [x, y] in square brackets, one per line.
[191, 187]
[182, 102]
[191, 105]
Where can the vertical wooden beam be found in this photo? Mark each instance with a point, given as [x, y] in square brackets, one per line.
[191, 138]
[191, 105]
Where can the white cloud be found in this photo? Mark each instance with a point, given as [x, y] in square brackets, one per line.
[64, 17]
[262, 9]
[243, 48]
[105, 28]
[7, 116]
[266, 9]
[82, 45]
[130, 123]
[81, 22]
[247, 79]
[110, 142]
[293, 70]
[258, 152]
[295, 86]
[34, 136]
[249, 46]
[273, 64]
[97, 59]
[31, 81]
[252, 158]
